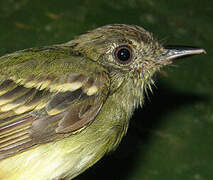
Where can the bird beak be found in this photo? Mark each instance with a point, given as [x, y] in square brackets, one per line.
[174, 52]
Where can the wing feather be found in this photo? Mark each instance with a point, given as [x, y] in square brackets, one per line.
[35, 110]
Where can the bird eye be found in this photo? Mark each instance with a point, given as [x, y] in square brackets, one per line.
[123, 54]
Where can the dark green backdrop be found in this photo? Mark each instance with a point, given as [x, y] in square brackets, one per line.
[171, 138]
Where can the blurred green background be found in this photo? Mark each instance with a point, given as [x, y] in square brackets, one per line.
[171, 138]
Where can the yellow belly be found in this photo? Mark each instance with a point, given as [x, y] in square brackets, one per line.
[52, 160]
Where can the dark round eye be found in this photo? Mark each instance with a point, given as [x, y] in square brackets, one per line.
[123, 54]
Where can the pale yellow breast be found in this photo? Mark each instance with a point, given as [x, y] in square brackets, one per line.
[51, 160]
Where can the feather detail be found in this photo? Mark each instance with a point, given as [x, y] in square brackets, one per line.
[31, 116]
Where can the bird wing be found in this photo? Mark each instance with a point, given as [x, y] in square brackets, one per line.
[38, 105]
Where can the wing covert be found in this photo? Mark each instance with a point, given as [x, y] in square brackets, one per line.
[36, 110]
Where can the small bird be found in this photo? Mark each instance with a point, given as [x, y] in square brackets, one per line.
[62, 107]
